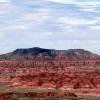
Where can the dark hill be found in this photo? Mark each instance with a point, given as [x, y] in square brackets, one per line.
[35, 52]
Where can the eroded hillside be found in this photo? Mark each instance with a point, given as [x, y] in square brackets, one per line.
[49, 68]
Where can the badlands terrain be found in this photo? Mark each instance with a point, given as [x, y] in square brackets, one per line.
[35, 73]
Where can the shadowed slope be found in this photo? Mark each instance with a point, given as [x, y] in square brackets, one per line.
[71, 54]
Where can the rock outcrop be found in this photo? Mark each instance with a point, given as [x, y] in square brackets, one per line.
[49, 68]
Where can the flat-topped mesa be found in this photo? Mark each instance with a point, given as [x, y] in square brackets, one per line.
[39, 67]
[28, 52]
[33, 51]
[70, 54]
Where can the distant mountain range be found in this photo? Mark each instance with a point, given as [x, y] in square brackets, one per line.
[33, 53]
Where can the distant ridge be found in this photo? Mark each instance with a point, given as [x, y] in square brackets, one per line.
[29, 53]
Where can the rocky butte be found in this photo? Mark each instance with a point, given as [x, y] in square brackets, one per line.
[50, 68]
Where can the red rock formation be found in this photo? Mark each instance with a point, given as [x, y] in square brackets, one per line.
[37, 67]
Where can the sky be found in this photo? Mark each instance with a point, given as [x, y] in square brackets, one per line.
[56, 24]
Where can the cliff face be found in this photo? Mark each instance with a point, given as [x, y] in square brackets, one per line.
[38, 67]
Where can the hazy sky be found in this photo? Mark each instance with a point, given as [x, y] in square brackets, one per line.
[58, 24]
